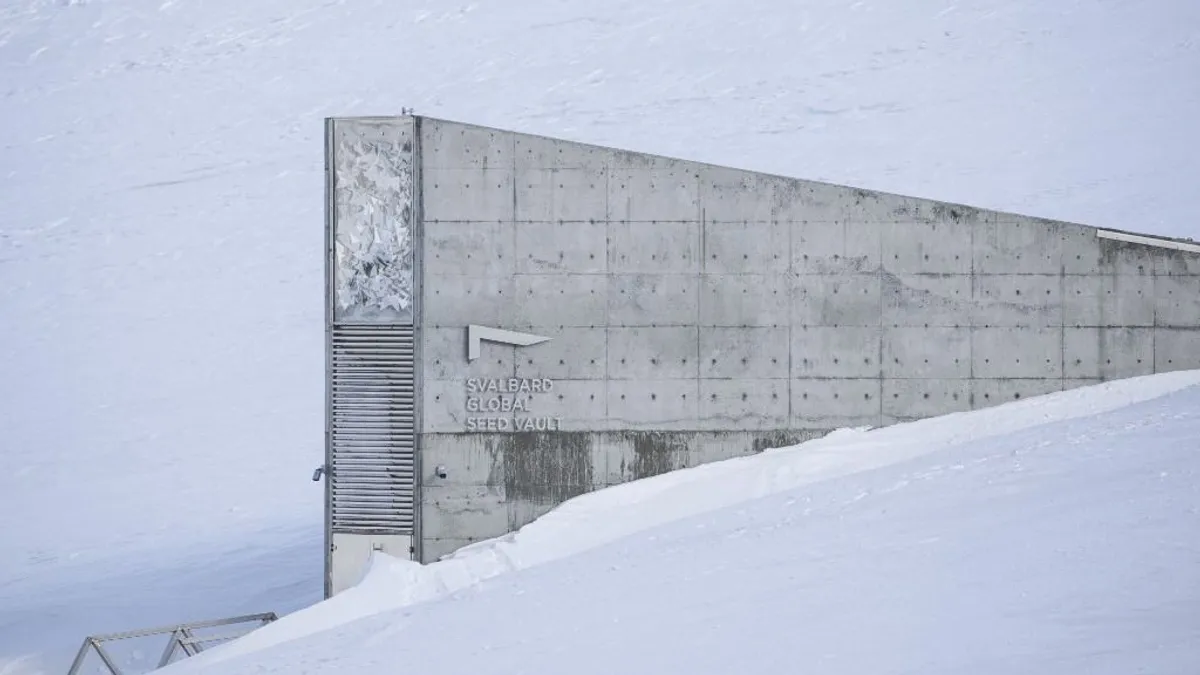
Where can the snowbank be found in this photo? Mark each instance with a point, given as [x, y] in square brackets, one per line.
[601, 517]
[1064, 548]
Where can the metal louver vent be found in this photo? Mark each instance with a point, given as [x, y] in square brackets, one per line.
[372, 429]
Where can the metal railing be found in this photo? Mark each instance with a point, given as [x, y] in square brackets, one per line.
[185, 638]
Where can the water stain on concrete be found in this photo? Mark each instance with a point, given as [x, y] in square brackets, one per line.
[657, 452]
[546, 468]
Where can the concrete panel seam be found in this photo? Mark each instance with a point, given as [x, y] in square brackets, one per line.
[1062, 317]
[791, 270]
[608, 244]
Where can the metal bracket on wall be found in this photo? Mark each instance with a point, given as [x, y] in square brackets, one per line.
[186, 638]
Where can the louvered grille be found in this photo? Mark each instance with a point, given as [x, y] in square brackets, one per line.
[372, 469]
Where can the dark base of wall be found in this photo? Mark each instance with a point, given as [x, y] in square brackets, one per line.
[497, 483]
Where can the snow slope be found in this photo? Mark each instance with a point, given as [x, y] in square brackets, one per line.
[1034, 538]
[160, 247]
[45, 614]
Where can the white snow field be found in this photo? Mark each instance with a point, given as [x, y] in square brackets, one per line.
[161, 355]
[1055, 535]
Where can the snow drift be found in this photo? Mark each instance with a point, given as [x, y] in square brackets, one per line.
[665, 503]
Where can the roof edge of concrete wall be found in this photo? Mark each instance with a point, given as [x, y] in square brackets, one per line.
[1188, 245]
[1129, 236]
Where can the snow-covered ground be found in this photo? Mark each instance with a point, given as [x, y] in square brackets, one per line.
[45, 613]
[1056, 535]
[160, 247]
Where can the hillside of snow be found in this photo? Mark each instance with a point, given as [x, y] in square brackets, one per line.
[1053, 536]
[161, 360]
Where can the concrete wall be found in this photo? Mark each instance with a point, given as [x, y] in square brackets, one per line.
[699, 313]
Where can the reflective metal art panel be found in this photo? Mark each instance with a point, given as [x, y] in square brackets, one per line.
[373, 235]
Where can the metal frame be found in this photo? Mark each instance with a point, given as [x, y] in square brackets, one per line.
[182, 638]
[330, 263]
[418, 225]
[331, 333]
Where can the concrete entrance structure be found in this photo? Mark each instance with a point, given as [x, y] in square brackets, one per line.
[515, 320]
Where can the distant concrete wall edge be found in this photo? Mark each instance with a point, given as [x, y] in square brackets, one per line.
[1144, 238]
[1149, 240]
